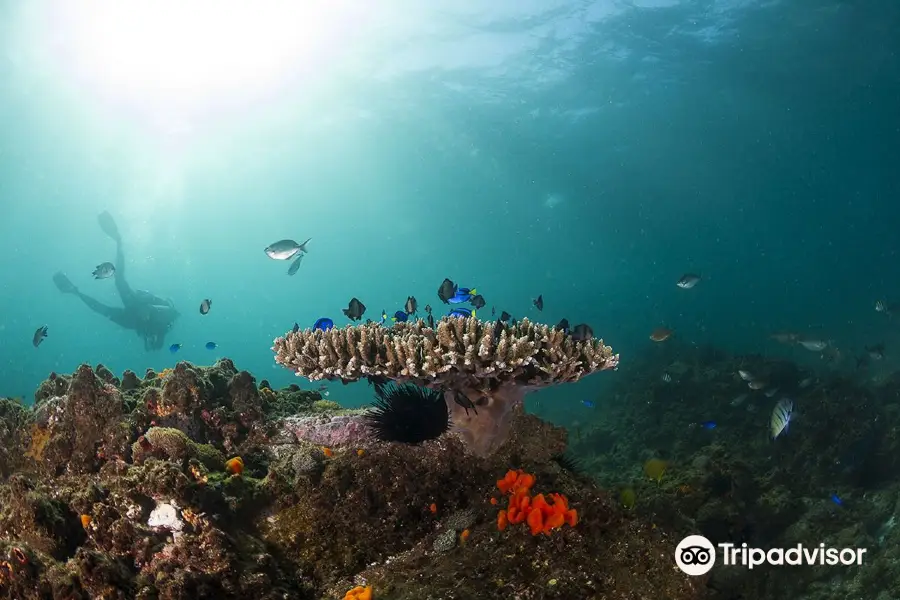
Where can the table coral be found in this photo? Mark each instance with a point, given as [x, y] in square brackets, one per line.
[488, 365]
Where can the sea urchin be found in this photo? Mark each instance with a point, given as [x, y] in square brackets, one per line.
[408, 414]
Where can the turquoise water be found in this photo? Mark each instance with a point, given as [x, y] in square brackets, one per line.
[592, 152]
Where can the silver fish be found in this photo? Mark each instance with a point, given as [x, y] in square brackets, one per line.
[813, 345]
[739, 400]
[746, 375]
[295, 266]
[666, 378]
[411, 306]
[688, 280]
[104, 270]
[285, 249]
[781, 417]
[882, 307]
[805, 383]
[205, 306]
[771, 392]
[756, 384]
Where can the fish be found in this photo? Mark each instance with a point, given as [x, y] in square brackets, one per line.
[876, 352]
[447, 291]
[781, 417]
[805, 383]
[837, 500]
[296, 327]
[205, 306]
[505, 316]
[462, 295]
[739, 399]
[588, 403]
[563, 326]
[493, 311]
[745, 375]
[411, 306]
[383, 316]
[688, 280]
[104, 270]
[400, 317]
[581, 332]
[784, 337]
[478, 301]
[882, 307]
[666, 378]
[464, 401]
[354, 310]
[660, 334]
[461, 312]
[323, 324]
[708, 424]
[771, 392]
[756, 384]
[539, 302]
[39, 335]
[175, 348]
[430, 321]
[295, 266]
[285, 249]
[211, 345]
[813, 345]
[428, 308]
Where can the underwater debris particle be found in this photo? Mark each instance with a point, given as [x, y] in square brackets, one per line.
[655, 468]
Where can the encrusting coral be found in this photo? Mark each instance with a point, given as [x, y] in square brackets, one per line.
[488, 366]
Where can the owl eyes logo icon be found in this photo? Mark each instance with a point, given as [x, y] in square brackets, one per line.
[695, 555]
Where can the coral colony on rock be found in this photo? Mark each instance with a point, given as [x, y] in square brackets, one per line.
[199, 482]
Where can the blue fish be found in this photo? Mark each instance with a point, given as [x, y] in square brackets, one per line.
[174, 348]
[383, 316]
[211, 345]
[461, 312]
[400, 317]
[837, 500]
[463, 295]
[708, 424]
[324, 324]
[588, 403]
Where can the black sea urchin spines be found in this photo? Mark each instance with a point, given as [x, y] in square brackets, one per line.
[570, 463]
[408, 414]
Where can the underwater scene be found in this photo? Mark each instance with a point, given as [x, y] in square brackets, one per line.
[544, 299]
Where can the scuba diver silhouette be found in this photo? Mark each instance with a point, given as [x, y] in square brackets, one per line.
[150, 316]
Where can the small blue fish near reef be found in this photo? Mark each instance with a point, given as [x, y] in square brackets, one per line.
[400, 317]
[174, 348]
[837, 500]
[211, 345]
[588, 403]
[383, 316]
[708, 424]
[463, 295]
[324, 324]
[461, 312]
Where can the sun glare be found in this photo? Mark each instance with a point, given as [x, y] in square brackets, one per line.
[188, 53]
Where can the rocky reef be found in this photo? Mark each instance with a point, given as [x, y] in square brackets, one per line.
[200, 482]
[699, 458]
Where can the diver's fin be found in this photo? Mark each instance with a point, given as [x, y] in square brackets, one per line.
[108, 225]
[63, 284]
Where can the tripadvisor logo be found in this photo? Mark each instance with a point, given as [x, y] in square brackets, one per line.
[696, 555]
